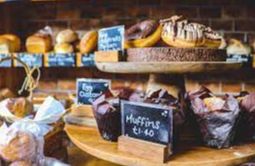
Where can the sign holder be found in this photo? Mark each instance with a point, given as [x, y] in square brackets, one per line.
[144, 149]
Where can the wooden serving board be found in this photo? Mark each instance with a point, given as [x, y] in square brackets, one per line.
[89, 140]
[167, 67]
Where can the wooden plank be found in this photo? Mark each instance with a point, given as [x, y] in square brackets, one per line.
[107, 56]
[167, 67]
[144, 149]
[89, 140]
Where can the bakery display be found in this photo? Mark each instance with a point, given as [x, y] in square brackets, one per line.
[216, 116]
[179, 32]
[88, 42]
[144, 34]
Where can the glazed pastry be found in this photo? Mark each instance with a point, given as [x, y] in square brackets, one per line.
[88, 42]
[14, 41]
[20, 107]
[66, 36]
[179, 32]
[63, 48]
[143, 34]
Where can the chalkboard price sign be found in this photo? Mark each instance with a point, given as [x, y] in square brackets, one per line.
[89, 89]
[148, 122]
[61, 60]
[32, 60]
[6, 63]
[111, 38]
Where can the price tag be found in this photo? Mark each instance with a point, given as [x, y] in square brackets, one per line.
[87, 60]
[111, 38]
[32, 60]
[61, 60]
[239, 58]
[6, 63]
[148, 122]
[89, 89]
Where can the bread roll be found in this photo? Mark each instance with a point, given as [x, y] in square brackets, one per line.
[21, 147]
[5, 45]
[15, 41]
[20, 107]
[39, 43]
[63, 48]
[88, 42]
[66, 36]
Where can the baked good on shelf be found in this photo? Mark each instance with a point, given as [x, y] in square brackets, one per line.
[20, 107]
[14, 41]
[144, 34]
[39, 43]
[217, 117]
[88, 42]
[63, 48]
[66, 36]
[5, 45]
[236, 47]
[179, 32]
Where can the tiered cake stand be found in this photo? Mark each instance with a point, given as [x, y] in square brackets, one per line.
[188, 154]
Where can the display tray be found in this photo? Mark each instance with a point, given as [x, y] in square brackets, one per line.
[89, 140]
[167, 67]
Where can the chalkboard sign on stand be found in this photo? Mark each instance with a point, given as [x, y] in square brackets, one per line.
[146, 126]
[111, 38]
[89, 89]
[110, 44]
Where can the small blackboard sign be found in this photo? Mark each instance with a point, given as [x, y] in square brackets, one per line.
[6, 63]
[89, 89]
[61, 60]
[239, 58]
[87, 60]
[111, 38]
[32, 60]
[148, 122]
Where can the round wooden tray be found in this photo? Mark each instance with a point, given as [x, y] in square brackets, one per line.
[89, 140]
[167, 67]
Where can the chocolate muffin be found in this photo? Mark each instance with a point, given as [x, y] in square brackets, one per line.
[216, 116]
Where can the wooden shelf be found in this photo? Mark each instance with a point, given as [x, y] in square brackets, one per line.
[89, 140]
[167, 67]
